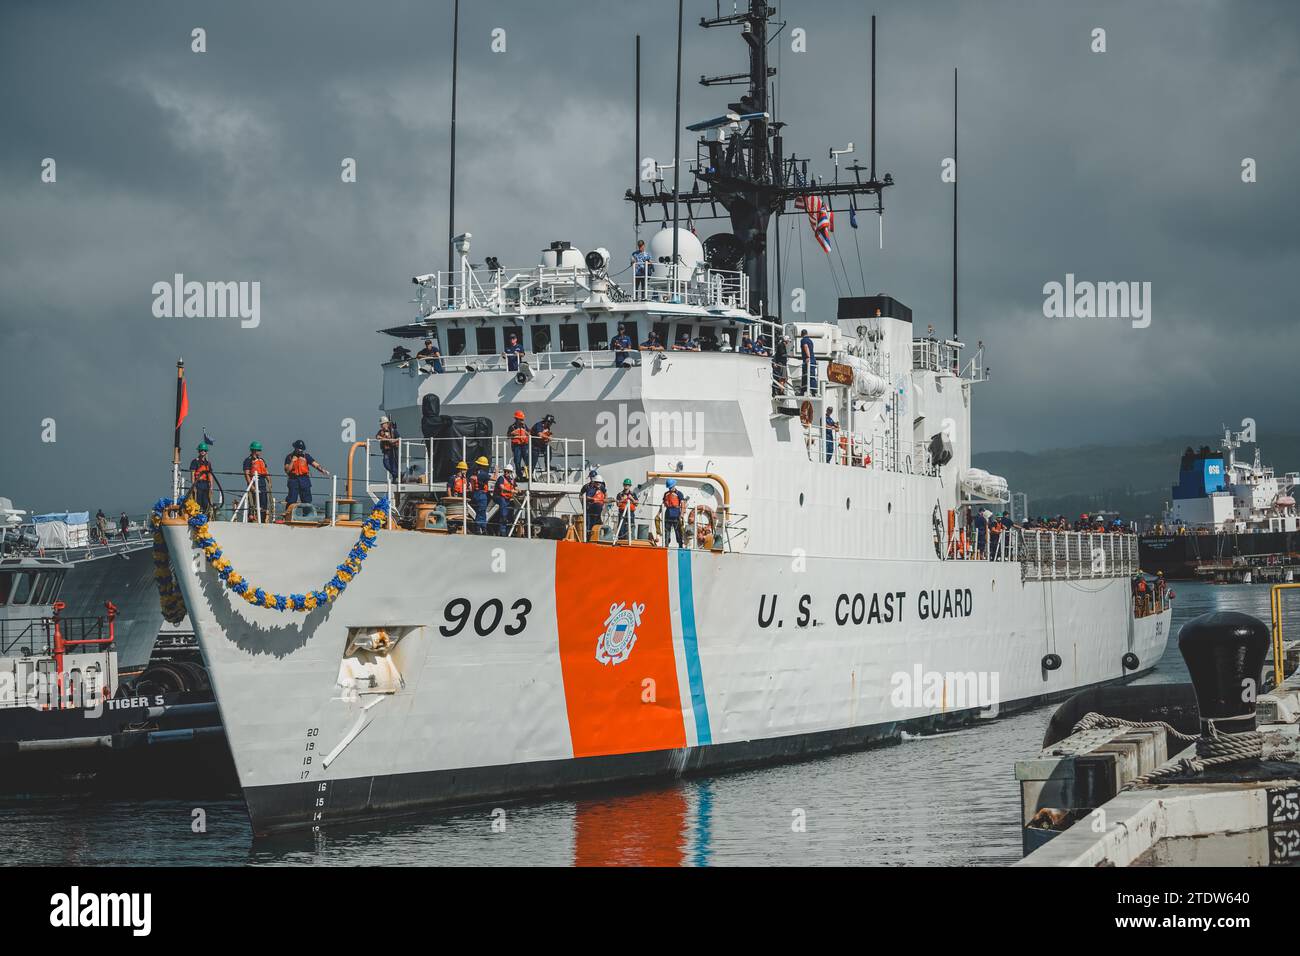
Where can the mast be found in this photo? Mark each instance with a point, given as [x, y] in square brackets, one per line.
[451, 202]
[636, 159]
[677, 141]
[747, 177]
[956, 176]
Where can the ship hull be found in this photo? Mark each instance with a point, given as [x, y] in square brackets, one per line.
[1179, 556]
[529, 667]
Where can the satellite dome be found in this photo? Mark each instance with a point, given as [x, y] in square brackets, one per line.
[690, 251]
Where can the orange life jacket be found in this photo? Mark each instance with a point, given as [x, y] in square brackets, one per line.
[298, 466]
[506, 489]
[258, 466]
[203, 471]
[543, 437]
[626, 501]
[672, 500]
[457, 484]
[598, 496]
[518, 435]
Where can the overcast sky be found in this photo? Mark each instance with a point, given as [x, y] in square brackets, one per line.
[225, 165]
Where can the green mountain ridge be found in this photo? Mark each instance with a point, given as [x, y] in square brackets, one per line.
[1134, 479]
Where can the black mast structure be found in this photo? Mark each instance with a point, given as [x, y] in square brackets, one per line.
[747, 173]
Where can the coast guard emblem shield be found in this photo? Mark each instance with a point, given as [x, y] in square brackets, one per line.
[616, 643]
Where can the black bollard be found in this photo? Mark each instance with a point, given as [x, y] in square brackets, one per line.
[1224, 652]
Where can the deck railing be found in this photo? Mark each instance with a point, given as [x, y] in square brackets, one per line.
[1056, 555]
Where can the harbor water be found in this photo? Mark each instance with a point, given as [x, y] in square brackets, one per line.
[948, 799]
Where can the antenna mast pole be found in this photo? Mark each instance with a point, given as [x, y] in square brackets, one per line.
[636, 165]
[677, 139]
[956, 176]
[451, 204]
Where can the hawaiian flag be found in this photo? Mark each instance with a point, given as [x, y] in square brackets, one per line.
[820, 218]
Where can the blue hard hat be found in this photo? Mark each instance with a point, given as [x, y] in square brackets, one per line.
[672, 482]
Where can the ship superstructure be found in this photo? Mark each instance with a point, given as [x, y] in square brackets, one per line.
[845, 573]
[1216, 492]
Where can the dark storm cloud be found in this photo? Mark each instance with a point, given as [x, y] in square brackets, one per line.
[1116, 166]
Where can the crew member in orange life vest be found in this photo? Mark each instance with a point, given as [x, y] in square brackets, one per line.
[504, 493]
[255, 466]
[298, 465]
[201, 478]
[626, 502]
[673, 502]
[519, 440]
[594, 494]
[458, 484]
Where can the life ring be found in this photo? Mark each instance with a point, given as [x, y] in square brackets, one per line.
[806, 412]
[693, 520]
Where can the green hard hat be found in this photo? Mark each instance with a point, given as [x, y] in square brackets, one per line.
[255, 446]
[203, 446]
[626, 482]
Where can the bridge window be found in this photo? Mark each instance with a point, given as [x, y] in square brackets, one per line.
[485, 341]
[597, 336]
[513, 330]
[708, 339]
[541, 338]
[661, 329]
[569, 338]
[455, 341]
[6, 583]
[630, 330]
[22, 588]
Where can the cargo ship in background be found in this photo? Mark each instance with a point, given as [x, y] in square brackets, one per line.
[836, 585]
[1227, 520]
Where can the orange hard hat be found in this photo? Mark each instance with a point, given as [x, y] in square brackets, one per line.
[519, 415]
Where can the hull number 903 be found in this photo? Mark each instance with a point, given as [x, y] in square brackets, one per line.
[460, 612]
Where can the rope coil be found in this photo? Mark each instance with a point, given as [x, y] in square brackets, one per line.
[1217, 749]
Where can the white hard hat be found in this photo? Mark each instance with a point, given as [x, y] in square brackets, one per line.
[597, 477]
[509, 468]
[383, 419]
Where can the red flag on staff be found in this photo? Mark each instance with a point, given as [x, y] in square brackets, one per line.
[183, 407]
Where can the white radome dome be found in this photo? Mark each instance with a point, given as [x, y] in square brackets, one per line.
[690, 251]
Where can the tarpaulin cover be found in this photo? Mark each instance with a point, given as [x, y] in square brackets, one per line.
[62, 530]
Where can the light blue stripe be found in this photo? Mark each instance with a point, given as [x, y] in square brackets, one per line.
[690, 642]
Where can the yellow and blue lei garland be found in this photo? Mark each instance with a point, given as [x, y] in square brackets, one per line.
[173, 602]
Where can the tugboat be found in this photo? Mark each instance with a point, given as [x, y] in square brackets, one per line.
[1228, 520]
[419, 642]
[70, 722]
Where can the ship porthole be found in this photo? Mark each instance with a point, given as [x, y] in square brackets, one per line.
[801, 499]
[889, 507]
[847, 503]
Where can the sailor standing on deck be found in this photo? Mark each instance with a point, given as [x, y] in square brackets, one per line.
[673, 502]
[388, 444]
[541, 443]
[504, 493]
[626, 502]
[593, 496]
[831, 429]
[298, 465]
[519, 439]
[512, 353]
[809, 359]
[258, 480]
[201, 478]
[641, 261]
[620, 344]
[480, 483]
